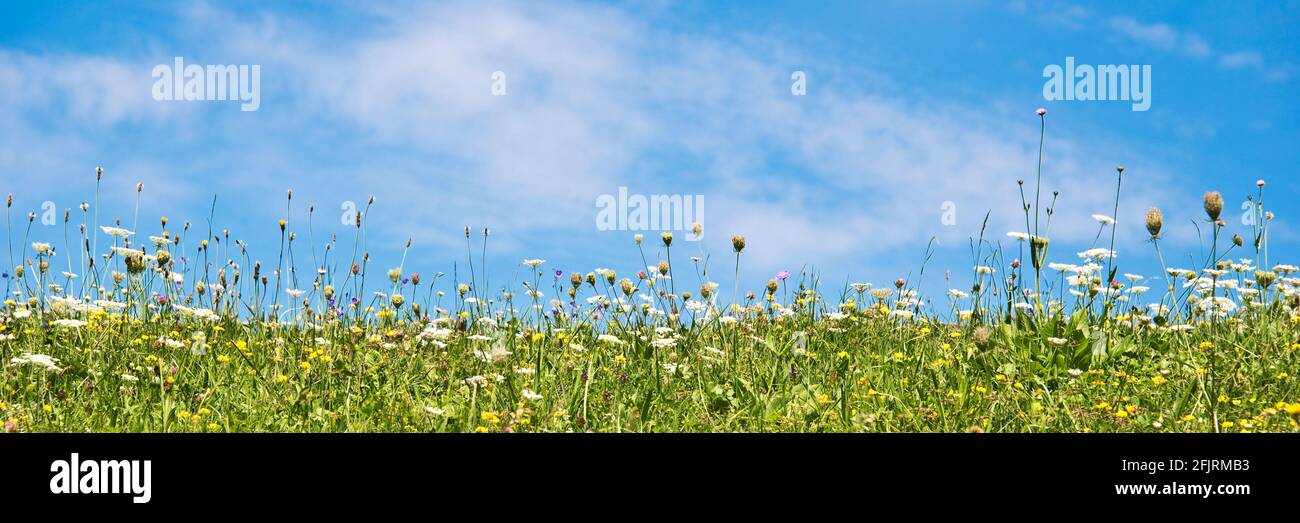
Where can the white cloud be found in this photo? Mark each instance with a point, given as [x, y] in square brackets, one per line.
[1241, 59]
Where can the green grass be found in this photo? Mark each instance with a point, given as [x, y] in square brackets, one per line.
[865, 371]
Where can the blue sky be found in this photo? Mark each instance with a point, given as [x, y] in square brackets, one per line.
[908, 105]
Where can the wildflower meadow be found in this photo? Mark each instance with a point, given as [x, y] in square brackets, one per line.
[165, 327]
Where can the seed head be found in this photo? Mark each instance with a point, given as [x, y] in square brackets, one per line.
[667, 237]
[1155, 221]
[1213, 205]
[738, 243]
[135, 263]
